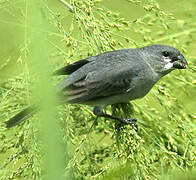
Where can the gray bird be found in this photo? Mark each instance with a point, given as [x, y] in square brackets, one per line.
[113, 77]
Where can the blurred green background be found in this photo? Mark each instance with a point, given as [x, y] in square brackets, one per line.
[45, 35]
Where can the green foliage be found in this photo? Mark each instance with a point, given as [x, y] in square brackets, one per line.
[91, 148]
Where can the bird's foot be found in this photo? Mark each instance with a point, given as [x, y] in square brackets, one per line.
[121, 121]
[127, 121]
[132, 121]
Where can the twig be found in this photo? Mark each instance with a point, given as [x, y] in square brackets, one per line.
[68, 5]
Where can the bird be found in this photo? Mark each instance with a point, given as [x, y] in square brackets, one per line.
[113, 77]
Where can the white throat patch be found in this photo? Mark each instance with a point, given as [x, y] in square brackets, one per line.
[169, 64]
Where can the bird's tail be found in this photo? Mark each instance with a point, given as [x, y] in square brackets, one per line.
[22, 116]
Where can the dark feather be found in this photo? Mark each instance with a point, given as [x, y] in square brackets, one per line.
[71, 67]
[85, 90]
[21, 116]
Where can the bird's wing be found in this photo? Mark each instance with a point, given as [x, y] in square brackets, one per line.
[102, 63]
[97, 84]
[66, 70]
[70, 68]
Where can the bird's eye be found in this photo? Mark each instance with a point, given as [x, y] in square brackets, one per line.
[165, 53]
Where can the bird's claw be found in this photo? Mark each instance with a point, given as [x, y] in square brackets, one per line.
[132, 121]
[127, 121]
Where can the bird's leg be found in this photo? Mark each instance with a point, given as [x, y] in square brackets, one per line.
[98, 111]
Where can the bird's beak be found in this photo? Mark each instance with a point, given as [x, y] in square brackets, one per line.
[180, 63]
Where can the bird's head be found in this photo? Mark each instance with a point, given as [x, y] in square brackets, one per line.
[163, 59]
